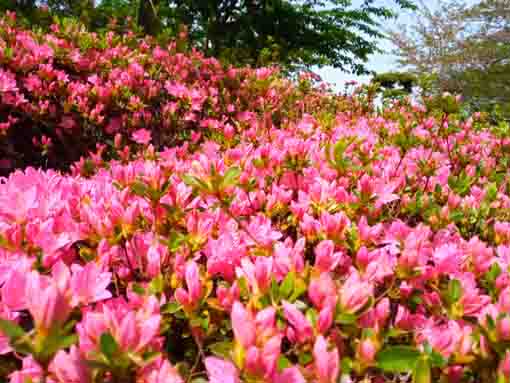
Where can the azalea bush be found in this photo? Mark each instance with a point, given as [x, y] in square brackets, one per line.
[235, 226]
[69, 92]
[363, 247]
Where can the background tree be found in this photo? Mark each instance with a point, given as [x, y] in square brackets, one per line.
[394, 85]
[466, 48]
[294, 34]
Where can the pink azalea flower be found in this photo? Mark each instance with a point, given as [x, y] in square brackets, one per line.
[192, 296]
[290, 375]
[221, 371]
[142, 136]
[89, 284]
[134, 331]
[302, 329]
[30, 371]
[7, 82]
[48, 305]
[70, 367]
[355, 292]
[161, 371]
[243, 325]
[326, 259]
[327, 363]
[14, 290]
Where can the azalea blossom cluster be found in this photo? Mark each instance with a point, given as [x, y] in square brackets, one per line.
[65, 91]
[359, 248]
[289, 241]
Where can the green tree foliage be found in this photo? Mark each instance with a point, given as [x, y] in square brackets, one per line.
[294, 34]
[393, 85]
[466, 47]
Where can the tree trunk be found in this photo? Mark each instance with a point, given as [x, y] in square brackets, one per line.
[148, 19]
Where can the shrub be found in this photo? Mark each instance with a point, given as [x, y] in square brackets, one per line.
[65, 92]
[355, 246]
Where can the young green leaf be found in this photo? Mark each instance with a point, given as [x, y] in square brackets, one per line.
[398, 359]
[287, 285]
[11, 329]
[283, 363]
[221, 349]
[230, 177]
[346, 318]
[454, 290]
[139, 188]
[108, 345]
[421, 373]
[195, 182]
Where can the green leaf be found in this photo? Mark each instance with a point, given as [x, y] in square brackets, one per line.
[456, 215]
[346, 365]
[398, 358]
[283, 363]
[221, 349]
[346, 318]
[243, 286]
[339, 149]
[138, 289]
[454, 290]
[175, 241]
[437, 360]
[493, 272]
[195, 182]
[195, 322]
[492, 192]
[157, 285]
[395, 332]
[312, 316]
[490, 322]
[11, 329]
[205, 323]
[287, 285]
[108, 345]
[150, 356]
[299, 288]
[304, 358]
[421, 373]
[139, 188]
[67, 341]
[275, 291]
[230, 177]
[165, 186]
[171, 307]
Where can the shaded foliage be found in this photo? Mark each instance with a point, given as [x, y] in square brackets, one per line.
[294, 34]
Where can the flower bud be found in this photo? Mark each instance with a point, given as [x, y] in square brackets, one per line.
[503, 329]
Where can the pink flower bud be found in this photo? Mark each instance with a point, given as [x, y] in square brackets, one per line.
[243, 325]
[367, 351]
[117, 140]
[504, 366]
[355, 293]
[503, 329]
[382, 311]
[298, 321]
[193, 282]
[47, 304]
[322, 290]
[325, 257]
[327, 364]
[325, 319]
[221, 371]
[70, 367]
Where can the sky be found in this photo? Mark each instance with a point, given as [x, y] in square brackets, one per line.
[382, 62]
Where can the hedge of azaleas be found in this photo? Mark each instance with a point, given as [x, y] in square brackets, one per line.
[63, 93]
[356, 247]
